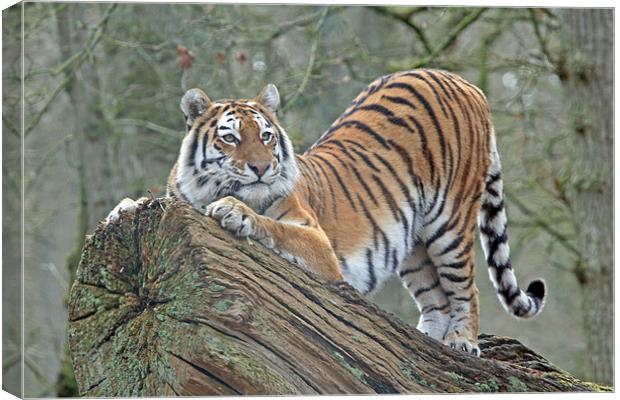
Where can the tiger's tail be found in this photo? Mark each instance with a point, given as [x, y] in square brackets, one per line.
[493, 223]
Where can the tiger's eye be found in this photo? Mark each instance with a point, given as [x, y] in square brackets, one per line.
[266, 136]
[230, 138]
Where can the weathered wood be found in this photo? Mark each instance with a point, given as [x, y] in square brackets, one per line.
[167, 303]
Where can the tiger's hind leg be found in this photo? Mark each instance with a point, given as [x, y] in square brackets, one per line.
[419, 276]
[452, 254]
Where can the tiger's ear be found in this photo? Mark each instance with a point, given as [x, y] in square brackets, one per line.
[269, 97]
[193, 104]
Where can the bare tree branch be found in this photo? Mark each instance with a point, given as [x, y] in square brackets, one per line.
[406, 19]
[75, 61]
[315, 45]
[544, 225]
[465, 22]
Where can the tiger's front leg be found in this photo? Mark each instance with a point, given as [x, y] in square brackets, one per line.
[307, 247]
[234, 216]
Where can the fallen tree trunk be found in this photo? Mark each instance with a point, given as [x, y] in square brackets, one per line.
[167, 303]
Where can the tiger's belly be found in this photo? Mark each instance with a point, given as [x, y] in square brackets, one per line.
[375, 252]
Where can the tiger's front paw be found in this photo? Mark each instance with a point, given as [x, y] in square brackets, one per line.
[460, 342]
[126, 205]
[234, 216]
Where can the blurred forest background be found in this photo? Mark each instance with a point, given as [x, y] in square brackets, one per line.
[102, 121]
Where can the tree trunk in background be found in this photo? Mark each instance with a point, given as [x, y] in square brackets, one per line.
[589, 82]
[91, 147]
[12, 206]
[91, 134]
[167, 303]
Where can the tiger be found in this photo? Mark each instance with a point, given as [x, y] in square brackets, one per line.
[395, 187]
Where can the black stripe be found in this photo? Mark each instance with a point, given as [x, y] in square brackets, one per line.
[471, 282]
[312, 179]
[494, 245]
[431, 308]
[457, 131]
[445, 227]
[434, 77]
[401, 184]
[456, 265]
[455, 243]
[510, 294]
[192, 150]
[203, 180]
[463, 318]
[453, 278]
[307, 170]
[283, 148]
[372, 283]
[455, 120]
[466, 249]
[329, 185]
[394, 260]
[464, 299]
[426, 289]
[374, 225]
[387, 113]
[396, 211]
[339, 179]
[361, 154]
[425, 149]
[415, 179]
[399, 100]
[365, 186]
[431, 113]
[362, 97]
[434, 90]
[500, 269]
[415, 269]
[470, 210]
[492, 192]
[360, 126]
[351, 167]
[491, 179]
[180, 192]
[341, 147]
[279, 217]
[492, 210]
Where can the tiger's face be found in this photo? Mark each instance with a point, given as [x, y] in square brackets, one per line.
[234, 148]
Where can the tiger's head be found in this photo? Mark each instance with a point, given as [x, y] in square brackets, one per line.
[234, 148]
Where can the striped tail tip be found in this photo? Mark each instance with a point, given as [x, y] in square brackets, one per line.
[538, 290]
[533, 302]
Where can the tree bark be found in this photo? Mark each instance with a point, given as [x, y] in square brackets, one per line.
[589, 84]
[167, 303]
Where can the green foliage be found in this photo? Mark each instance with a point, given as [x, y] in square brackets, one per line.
[515, 385]
[489, 386]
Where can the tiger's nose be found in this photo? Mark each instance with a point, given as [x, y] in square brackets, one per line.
[259, 168]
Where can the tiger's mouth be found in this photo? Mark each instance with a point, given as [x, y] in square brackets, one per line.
[257, 182]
